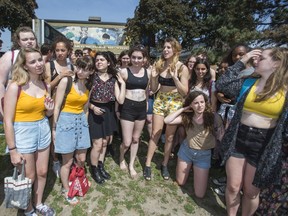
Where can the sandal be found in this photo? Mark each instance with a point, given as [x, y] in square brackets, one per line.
[164, 172]
[147, 173]
[71, 201]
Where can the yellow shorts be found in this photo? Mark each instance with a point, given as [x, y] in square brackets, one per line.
[167, 102]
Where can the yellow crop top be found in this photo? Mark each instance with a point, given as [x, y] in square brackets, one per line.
[75, 102]
[199, 138]
[271, 108]
[29, 109]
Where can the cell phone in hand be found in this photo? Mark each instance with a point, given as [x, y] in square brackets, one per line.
[102, 110]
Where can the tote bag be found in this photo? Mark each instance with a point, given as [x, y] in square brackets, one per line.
[17, 190]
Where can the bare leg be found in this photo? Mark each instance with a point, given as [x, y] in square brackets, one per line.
[158, 122]
[200, 181]
[182, 171]
[127, 131]
[235, 172]
[95, 151]
[170, 131]
[250, 199]
[138, 127]
[65, 169]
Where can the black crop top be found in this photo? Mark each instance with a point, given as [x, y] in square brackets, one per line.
[134, 82]
[168, 81]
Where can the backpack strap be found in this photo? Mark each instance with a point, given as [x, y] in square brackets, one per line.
[67, 90]
[246, 85]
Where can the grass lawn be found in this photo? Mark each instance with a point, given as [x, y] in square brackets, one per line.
[122, 195]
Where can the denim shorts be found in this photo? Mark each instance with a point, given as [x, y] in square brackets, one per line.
[251, 142]
[32, 136]
[199, 158]
[72, 133]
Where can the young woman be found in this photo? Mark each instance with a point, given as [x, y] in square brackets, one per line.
[70, 126]
[24, 37]
[201, 128]
[28, 136]
[253, 140]
[171, 77]
[123, 59]
[133, 110]
[201, 81]
[55, 71]
[108, 86]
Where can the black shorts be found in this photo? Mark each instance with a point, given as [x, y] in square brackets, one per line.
[133, 110]
[251, 142]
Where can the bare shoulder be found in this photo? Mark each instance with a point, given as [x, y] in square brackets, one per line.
[123, 73]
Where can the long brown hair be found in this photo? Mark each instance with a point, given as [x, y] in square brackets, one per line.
[208, 115]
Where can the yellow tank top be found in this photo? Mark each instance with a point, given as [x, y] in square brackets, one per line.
[75, 102]
[29, 109]
[271, 108]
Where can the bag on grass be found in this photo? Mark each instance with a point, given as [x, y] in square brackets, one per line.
[78, 182]
[17, 190]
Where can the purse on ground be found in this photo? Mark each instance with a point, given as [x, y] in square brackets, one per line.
[17, 190]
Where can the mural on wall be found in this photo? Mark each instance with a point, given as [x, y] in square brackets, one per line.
[93, 35]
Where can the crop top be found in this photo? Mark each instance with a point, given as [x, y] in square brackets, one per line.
[29, 109]
[134, 82]
[271, 107]
[199, 138]
[103, 92]
[75, 102]
[168, 81]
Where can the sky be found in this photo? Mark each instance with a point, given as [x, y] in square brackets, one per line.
[108, 10]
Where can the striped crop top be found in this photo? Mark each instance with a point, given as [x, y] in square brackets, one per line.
[29, 109]
[271, 108]
[75, 102]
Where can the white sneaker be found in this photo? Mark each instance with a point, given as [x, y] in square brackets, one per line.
[56, 168]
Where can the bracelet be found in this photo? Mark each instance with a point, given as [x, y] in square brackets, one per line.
[10, 149]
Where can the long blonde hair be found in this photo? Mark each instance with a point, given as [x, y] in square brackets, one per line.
[19, 74]
[279, 78]
[176, 47]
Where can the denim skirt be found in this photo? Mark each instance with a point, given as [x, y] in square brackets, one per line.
[72, 133]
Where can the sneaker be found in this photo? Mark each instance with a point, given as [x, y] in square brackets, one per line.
[220, 190]
[56, 168]
[45, 210]
[220, 181]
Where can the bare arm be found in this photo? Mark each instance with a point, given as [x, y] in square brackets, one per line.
[120, 91]
[5, 68]
[154, 84]
[182, 84]
[175, 117]
[10, 102]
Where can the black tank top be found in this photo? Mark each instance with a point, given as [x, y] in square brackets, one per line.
[134, 82]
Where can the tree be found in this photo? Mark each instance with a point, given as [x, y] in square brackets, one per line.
[15, 13]
[215, 24]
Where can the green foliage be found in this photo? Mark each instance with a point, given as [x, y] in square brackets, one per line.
[215, 24]
[15, 13]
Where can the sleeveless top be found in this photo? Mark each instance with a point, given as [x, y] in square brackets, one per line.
[199, 138]
[29, 109]
[75, 102]
[103, 91]
[134, 82]
[272, 107]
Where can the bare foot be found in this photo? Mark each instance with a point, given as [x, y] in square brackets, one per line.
[123, 166]
[133, 173]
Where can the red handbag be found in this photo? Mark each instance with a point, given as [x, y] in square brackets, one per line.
[78, 182]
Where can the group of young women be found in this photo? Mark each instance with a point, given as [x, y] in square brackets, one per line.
[89, 96]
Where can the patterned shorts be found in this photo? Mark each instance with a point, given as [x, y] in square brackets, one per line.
[167, 102]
